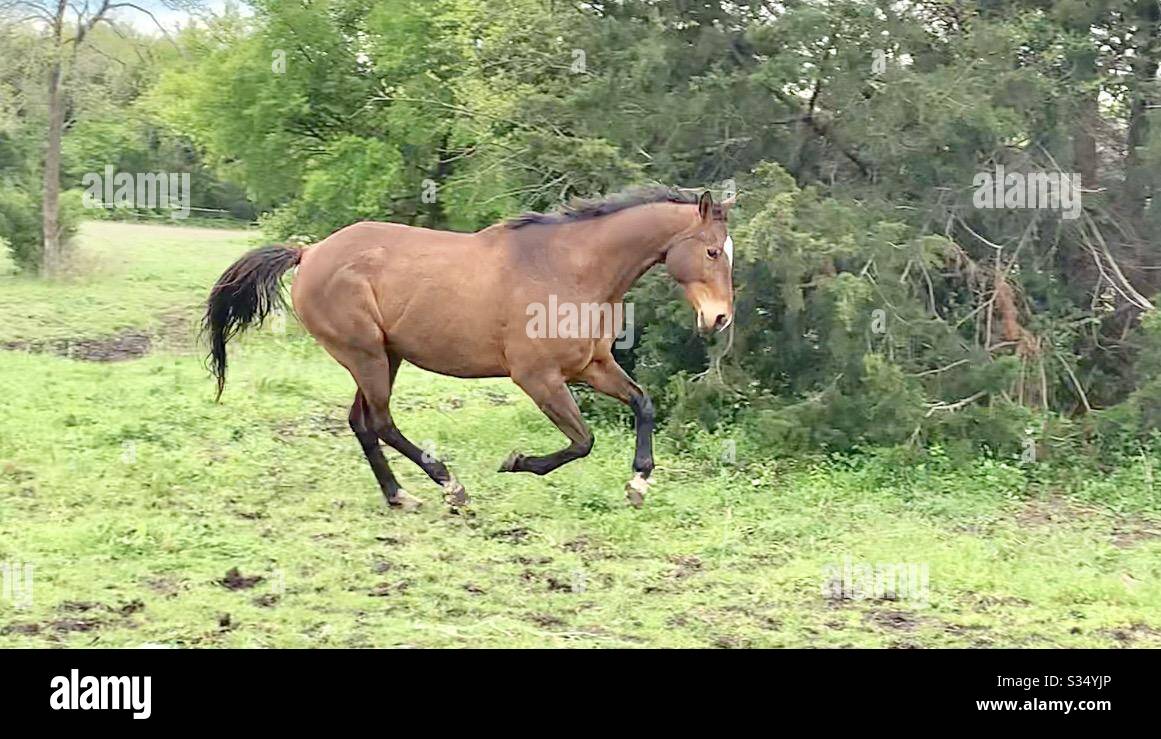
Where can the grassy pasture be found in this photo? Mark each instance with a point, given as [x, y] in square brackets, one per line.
[134, 496]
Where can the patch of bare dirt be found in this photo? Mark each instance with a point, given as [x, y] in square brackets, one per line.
[985, 603]
[62, 626]
[66, 625]
[545, 619]
[895, 620]
[177, 332]
[905, 644]
[166, 586]
[978, 634]
[1054, 509]
[26, 629]
[497, 398]
[1135, 635]
[521, 559]
[556, 584]
[514, 535]
[1134, 532]
[1125, 531]
[128, 344]
[686, 566]
[125, 609]
[234, 580]
[386, 589]
[316, 425]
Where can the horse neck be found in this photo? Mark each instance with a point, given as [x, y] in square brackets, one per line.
[626, 245]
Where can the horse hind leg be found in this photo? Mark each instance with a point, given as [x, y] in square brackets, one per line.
[396, 496]
[374, 372]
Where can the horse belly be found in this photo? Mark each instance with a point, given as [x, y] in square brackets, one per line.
[434, 358]
[458, 343]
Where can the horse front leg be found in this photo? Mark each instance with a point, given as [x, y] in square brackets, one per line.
[605, 376]
[555, 400]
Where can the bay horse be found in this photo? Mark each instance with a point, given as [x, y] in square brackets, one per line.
[378, 294]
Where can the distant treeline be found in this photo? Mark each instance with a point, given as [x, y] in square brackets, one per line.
[881, 297]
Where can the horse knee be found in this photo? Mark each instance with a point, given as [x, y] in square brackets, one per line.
[643, 406]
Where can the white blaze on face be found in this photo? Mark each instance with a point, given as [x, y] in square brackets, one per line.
[728, 245]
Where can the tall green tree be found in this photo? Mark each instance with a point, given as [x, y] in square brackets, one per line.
[876, 299]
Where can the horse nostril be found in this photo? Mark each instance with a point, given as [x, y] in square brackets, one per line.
[721, 322]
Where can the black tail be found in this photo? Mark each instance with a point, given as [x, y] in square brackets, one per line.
[244, 295]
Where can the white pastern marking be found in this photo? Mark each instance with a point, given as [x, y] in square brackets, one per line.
[728, 245]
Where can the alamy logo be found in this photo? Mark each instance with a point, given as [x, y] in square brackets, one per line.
[16, 583]
[159, 190]
[864, 581]
[1032, 190]
[89, 693]
[564, 320]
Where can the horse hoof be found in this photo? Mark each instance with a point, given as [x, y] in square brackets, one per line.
[635, 490]
[509, 464]
[404, 501]
[455, 495]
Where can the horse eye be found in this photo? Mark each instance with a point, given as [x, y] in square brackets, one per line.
[713, 252]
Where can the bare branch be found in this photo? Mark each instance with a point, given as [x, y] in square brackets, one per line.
[139, 9]
[933, 407]
[1136, 298]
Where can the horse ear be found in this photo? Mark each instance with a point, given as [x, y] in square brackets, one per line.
[705, 205]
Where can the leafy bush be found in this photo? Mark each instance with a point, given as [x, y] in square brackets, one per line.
[21, 226]
[7, 260]
[353, 183]
[21, 223]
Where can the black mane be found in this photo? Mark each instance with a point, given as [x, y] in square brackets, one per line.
[582, 210]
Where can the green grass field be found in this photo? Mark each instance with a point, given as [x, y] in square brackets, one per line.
[133, 495]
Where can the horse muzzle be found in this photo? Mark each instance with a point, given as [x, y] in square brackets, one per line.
[714, 319]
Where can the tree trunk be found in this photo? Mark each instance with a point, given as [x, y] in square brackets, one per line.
[1076, 260]
[1087, 111]
[1143, 82]
[1084, 150]
[53, 256]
